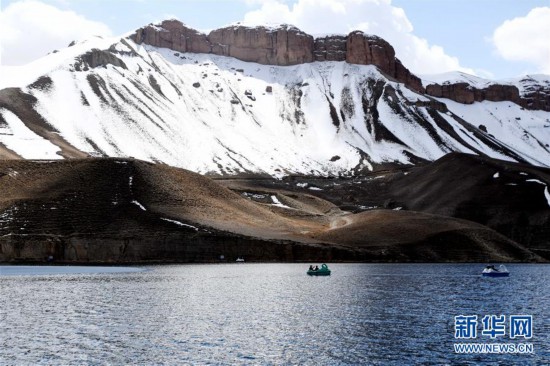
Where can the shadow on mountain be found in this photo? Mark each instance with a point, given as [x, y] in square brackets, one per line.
[122, 211]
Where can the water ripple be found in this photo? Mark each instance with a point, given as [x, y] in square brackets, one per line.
[262, 314]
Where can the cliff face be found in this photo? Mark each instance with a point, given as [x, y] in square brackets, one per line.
[175, 35]
[536, 94]
[467, 94]
[330, 48]
[366, 49]
[282, 46]
[533, 97]
[287, 45]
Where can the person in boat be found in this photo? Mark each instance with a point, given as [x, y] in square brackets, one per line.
[316, 268]
[492, 267]
[311, 267]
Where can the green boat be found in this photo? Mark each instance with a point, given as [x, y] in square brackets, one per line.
[323, 271]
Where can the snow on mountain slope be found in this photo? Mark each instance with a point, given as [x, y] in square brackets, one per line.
[14, 134]
[516, 128]
[453, 77]
[215, 114]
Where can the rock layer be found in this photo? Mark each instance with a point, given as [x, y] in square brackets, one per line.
[367, 49]
[330, 48]
[283, 46]
[467, 94]
[534, 97]
[175, 35]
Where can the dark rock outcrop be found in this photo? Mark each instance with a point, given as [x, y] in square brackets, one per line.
[466, 94]
[403, 75]
[459, 92]
[97, 58]
[367, 49]
[330, 48]
[173, 34]
[285, 45]
[282, 46]
[498, 93]
[536, 97]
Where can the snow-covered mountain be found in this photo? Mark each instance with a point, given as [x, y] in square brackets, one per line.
[217, 114]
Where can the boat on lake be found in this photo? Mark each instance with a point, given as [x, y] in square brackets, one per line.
[323, 271]
[492, 271]
[240, 259]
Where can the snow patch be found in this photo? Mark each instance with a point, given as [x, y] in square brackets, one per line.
[180, 223]
[536, 181]
[278, 203]
[139, 205]
[546, 192]
[16, 136]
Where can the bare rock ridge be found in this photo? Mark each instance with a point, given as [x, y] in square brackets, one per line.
[534, 98]
[283, 46]
[367, 49]
[287, 45]
[330, 48]
[174, 35]
[466, 94]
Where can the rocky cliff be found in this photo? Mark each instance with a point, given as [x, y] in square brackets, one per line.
[175, 35]
[467, 94]
[364, 49]
[287, 45]
[330, 48]
[534, 96]
[283, 46]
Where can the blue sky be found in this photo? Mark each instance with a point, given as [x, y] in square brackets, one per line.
[489, 38]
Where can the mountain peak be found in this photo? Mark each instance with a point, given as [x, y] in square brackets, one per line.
[259, 100]
[278, 44]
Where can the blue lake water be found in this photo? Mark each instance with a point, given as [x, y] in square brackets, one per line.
[262, 314]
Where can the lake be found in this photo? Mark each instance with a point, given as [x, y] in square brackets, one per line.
[263, 314]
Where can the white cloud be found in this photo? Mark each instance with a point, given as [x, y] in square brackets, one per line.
[377, 17]
[526, 39]
[30, 29]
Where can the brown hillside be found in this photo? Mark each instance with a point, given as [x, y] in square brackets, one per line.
[113, 210]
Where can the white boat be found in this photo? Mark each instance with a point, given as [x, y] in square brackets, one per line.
[492, 271]
[240, 259]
